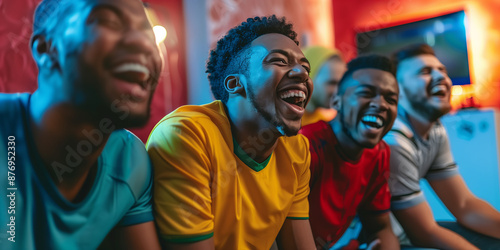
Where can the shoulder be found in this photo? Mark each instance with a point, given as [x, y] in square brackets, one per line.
[293, 148]
[401, 136]
[12, 110]
[317, 133]
[438, 131]
[199, 119]
[10, 103]
[125, 160]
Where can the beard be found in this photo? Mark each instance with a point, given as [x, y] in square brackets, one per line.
[90, 96]
[279, 125]
[424, 107]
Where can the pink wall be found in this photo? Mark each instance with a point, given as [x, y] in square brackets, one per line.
[354, 16]
[18, 71]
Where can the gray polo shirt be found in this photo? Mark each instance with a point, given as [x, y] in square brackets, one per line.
[413, 158]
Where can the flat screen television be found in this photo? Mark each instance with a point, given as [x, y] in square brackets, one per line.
[446, 34]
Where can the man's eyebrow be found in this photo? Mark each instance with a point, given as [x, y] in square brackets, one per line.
[364, 85]
[145, 25]
[107, 7]
[285, 53]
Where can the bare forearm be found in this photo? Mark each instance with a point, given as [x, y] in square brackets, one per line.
[482, 218]
[387, 239]
[441, 238]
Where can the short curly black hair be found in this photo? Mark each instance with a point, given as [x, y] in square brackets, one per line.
[226, 58]
[372, 61]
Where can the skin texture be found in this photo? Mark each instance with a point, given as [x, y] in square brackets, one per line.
[78, 89]
[417, 76]
[367, 92]
[276, 64]
[326, 84]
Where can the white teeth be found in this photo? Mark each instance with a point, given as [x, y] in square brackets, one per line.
[438, 88]
[373, 119]
[293, 93]
[132, 67]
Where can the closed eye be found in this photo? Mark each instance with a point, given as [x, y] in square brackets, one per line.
[391, 100]
[307, 68]
[365, 93]
[279, 60]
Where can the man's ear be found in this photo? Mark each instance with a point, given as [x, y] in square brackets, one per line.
[44, 53]
[234, 84]
[336, 102]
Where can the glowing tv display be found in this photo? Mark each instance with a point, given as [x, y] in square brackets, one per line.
[446, 34]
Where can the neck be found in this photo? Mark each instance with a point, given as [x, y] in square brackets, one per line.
[68, 142]
[419, 124]
[349, 147]
[256, 139]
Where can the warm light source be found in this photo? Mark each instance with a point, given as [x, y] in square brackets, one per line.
[160, 33]
[456, 90]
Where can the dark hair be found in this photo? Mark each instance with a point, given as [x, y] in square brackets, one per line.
[372, 61]
[411, 51]
[227, 57]
[45, 11]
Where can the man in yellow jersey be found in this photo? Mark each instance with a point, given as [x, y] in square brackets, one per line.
[234, 174]
[327, 67]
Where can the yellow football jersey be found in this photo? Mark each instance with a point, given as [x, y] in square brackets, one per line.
[203, 189]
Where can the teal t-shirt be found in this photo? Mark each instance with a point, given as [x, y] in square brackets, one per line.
[36, 216]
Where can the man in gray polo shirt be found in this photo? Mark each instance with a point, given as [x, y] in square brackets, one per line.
[420, 149]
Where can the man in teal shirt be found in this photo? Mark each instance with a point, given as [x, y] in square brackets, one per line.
[70, 173]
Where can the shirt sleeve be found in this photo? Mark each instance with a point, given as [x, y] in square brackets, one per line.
[300, 206]
[139, 179]
[378, 198]
[404, 180]
[444, 165]
[182, 194]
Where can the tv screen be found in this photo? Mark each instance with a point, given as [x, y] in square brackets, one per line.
[445, 34]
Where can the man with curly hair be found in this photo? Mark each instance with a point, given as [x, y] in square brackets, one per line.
[233, 174]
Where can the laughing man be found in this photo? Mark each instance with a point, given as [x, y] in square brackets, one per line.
[420, 149]
[349, 160]
[232, 174]
[78, 173]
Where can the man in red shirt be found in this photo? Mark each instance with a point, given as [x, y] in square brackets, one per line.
[349, 160]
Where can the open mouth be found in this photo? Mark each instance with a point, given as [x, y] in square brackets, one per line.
[373, 121]
[294, 97]
[131, 72]
[439, 90]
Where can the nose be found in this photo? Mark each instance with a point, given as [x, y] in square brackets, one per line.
[298, 72]
[438, 76]
[379, 103]
[139, 41]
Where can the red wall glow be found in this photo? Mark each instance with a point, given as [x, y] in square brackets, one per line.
[18, 71]
[483, 33]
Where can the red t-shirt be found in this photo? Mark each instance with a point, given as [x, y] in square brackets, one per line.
[340, 187]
